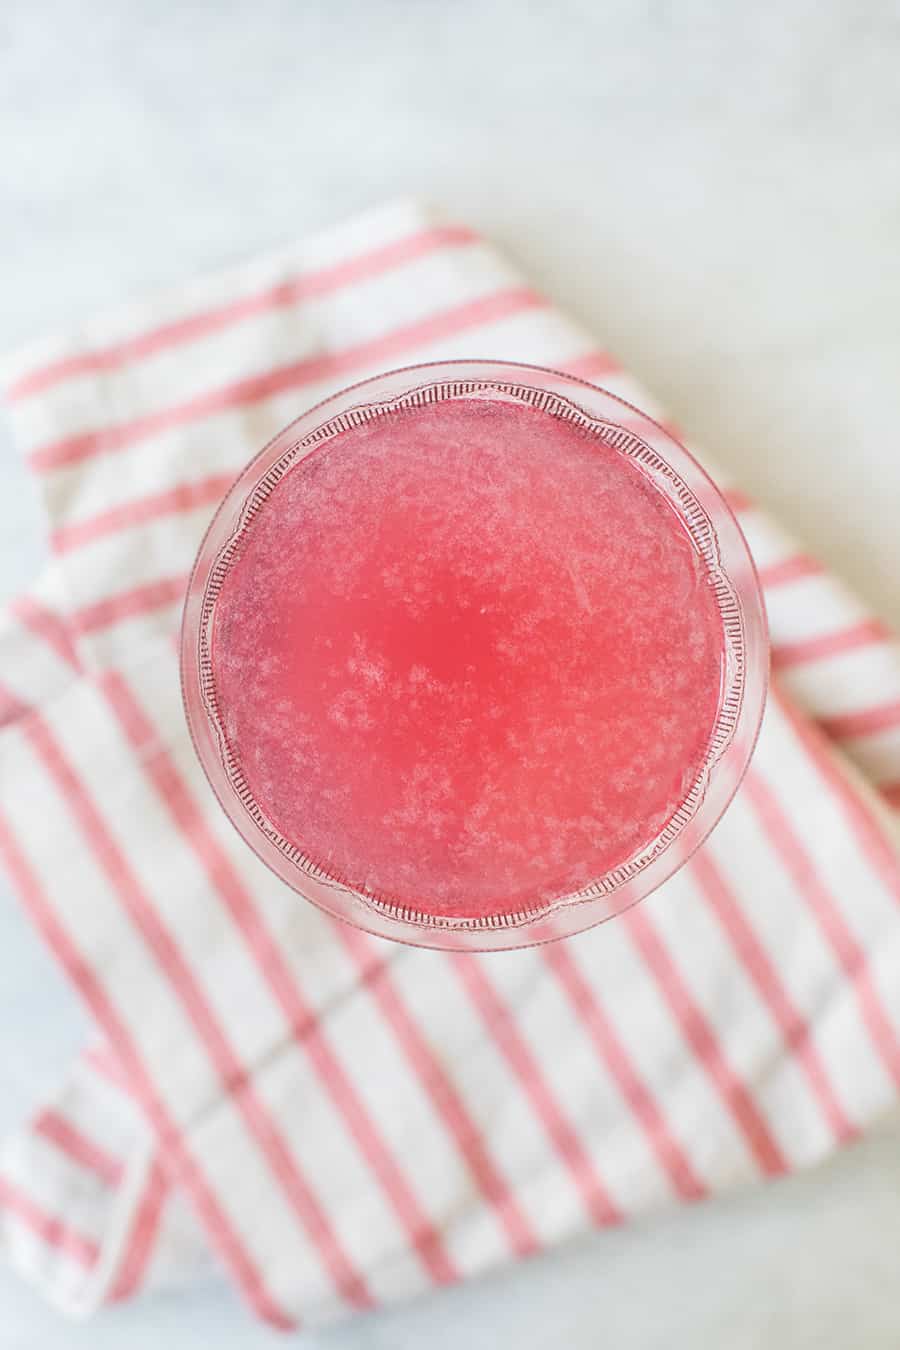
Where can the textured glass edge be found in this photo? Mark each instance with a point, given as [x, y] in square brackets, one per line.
[664, 477]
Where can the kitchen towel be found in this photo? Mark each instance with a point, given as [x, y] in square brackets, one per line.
[343, 1121]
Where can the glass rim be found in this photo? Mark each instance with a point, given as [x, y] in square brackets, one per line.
[635, 433]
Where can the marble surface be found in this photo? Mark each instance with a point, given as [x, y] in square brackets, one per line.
[716, 189]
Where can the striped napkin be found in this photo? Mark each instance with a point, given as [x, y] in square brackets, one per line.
[344, 1121]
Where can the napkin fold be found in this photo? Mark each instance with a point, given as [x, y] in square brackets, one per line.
[343, 1121]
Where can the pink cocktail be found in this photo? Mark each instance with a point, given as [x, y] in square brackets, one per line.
[473, 655]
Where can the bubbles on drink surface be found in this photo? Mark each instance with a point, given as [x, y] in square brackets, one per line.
[468, 657]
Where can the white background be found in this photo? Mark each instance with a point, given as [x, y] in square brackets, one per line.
[715, 188]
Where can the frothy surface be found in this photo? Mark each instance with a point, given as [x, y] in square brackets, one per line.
[468, 658]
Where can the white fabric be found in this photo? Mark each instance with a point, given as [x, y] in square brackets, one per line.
[354, 1122]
